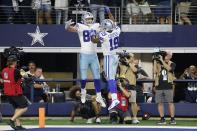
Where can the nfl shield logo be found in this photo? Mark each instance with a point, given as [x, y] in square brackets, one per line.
[5, 75]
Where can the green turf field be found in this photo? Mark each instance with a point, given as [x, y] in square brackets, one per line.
[181, 122]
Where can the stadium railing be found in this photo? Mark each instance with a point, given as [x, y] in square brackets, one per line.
[151, 16]
[121, 15]
[22, 14]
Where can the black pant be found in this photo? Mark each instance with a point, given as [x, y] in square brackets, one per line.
[27, 13]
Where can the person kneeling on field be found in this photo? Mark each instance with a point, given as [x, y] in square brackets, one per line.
[122, 110]
[88, 110]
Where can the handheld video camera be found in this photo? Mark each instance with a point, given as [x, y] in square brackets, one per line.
[123, 56]
[157, 54]
[13, 51]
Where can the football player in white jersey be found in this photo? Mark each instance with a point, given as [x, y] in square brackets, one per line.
[109, 38]
[88, 55]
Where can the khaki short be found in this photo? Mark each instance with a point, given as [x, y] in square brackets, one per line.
[132, 98]
[164, 96]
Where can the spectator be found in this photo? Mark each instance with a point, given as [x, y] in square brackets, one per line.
[163, 11]
[28, 84]
[128, 70]
[88, 110]
[164, 93]
[191, 91]
[113, 3]
[40, 94]
[76, 2]
[61, 7]
[7, 9]
[134, 7]
[32, 68]
[27, 13]
[97, 6]
[122, 109]
[193, 11]
[183, 10]
[45, 12]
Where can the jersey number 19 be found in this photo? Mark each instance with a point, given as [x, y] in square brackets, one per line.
[114, 43]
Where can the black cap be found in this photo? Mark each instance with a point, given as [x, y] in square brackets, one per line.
[12, 58]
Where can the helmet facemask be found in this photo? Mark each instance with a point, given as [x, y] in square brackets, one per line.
[88, 18]
[89, 21]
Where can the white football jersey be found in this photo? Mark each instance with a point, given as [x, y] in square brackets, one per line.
[110, 41]
[84, 32]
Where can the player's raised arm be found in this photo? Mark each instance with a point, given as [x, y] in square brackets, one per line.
[110, 15]
[69, 26]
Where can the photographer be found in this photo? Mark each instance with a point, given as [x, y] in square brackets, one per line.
[128, 70]
[191, 90]
[164, 77]
[13, 91]
[122, 109]
[88, 110]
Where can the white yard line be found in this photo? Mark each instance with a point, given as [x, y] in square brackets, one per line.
[5, 127]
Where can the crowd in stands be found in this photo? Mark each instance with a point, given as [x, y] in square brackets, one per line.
[133, 11]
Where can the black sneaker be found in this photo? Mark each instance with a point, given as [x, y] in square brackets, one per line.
[172, 122]
[20, 127]
[12, 124]
[161, 122]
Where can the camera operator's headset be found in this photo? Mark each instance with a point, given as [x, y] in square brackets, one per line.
[14, 58]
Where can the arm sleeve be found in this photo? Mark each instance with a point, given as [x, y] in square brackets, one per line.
[17, 75]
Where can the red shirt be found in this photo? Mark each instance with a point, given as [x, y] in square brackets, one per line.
[11, 87]
[124, 103]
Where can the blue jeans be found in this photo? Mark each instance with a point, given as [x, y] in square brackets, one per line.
[59, 14]
[98, 9]
[46, 8]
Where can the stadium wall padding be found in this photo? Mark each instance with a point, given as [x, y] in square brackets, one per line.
[64, 109]
[17, 35]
